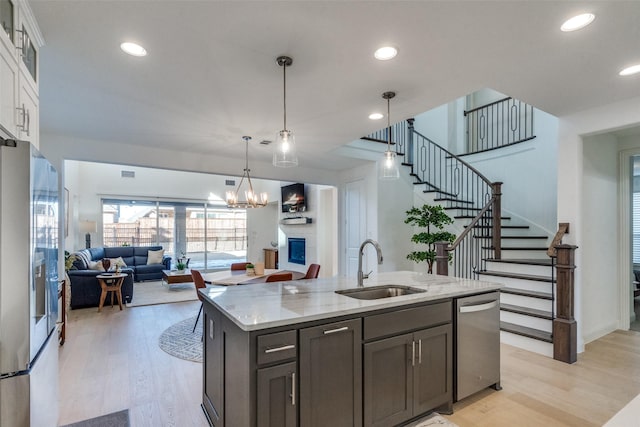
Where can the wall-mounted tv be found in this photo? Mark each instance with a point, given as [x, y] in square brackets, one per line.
[293, 199]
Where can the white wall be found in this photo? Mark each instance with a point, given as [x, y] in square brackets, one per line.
[599, 243]
[89, 182]
[262, 229]
[319, 235]
[572, 130]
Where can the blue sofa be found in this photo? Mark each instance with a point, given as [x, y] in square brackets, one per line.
[85, 289]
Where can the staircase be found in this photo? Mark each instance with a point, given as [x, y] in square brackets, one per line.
[492, 247]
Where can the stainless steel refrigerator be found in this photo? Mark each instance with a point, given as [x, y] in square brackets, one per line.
[29, 206]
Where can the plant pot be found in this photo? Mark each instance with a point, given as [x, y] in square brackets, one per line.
[251, 272]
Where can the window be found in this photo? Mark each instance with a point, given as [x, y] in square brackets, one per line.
[214, 243]
[6, 17]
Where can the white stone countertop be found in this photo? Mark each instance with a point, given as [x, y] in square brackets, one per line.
[267, 305]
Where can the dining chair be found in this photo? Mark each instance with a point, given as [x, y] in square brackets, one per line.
[312, 272]
[198, 280]
[239, 266]
[279, 277]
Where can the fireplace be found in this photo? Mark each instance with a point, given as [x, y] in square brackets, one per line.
[296, 250]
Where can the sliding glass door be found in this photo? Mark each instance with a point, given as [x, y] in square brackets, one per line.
[211, 237]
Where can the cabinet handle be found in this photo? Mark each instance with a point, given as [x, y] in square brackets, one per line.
[23, 116]
[420, 351]
[333, 331]
[283, 348]
[413, 353]
[293, 389]
[28, 123]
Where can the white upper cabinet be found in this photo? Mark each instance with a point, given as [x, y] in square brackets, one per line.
[20, 43]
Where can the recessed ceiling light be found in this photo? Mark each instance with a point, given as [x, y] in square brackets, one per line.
[376, 116]
[634, 69]
[385, 53]
[133, 49]
[577, 22]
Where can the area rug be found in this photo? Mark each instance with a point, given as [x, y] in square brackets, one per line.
[115, 419]
[433, 420]
[150, 293]
[178, 340]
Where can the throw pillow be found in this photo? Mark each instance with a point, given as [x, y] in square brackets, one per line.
[116, 261]
[84, 259]
[155, 257]
[96, 265]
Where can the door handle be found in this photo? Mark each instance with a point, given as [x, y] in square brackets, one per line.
[413, 353]
[293, 389]
[333, 331]
[478, 307]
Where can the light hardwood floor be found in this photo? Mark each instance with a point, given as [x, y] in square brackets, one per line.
[111, 361]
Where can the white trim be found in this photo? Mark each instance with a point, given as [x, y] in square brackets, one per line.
[600, 332]
[625, 263]
[27, 14]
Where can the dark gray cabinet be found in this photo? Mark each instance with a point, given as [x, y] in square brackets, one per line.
[213, 374]
[408, 374]
[331, 375]
[277, 396]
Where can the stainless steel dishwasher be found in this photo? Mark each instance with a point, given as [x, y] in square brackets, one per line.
[477, 343]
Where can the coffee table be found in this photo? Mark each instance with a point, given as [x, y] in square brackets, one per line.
[171, 277]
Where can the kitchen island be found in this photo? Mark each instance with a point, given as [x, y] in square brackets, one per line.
[299, 353]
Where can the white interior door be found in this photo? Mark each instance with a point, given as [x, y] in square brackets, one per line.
[355, 227]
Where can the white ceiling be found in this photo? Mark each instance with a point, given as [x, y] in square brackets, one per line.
[211, 77]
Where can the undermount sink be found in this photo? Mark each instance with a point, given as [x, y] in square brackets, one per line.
[377, 292]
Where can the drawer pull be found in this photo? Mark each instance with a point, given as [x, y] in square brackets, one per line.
[283, 348]
[333, 331]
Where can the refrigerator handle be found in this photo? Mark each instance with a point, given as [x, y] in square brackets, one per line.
[478, 307]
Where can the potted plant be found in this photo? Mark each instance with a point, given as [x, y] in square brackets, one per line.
[251, 271]
[181, 262]
[433, 218]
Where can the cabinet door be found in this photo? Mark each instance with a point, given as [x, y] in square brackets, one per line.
[28, 112]
[8, 85]
[388, 381]
[213, 374]
[277, 396]
[331, 375]
[432, 380]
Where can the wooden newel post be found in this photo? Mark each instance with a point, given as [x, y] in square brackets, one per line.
[565, 335]
[496, 212]
[442, 258]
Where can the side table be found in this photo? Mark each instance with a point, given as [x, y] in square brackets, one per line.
[110, 283]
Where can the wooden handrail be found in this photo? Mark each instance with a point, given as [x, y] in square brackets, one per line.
[563, 228]
[467, 230]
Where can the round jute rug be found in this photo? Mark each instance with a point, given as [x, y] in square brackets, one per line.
[178, 340]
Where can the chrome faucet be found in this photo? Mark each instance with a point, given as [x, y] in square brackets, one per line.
[361, 275]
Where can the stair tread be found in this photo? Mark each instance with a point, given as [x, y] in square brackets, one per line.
[519, 248]
[534, 312]
[526, 331]
[502, 226]
[526, 261]
[489, 236]
[527, 293]
[533, 277]
[449, 199]
[471, 217]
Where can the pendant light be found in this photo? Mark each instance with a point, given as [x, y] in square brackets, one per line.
[388, 165]
[251, 199]
[285, 155]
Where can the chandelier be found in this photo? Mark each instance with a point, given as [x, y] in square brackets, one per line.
[251, 199]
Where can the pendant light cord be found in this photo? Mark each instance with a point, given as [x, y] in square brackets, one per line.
[388, 125]
[284, 98]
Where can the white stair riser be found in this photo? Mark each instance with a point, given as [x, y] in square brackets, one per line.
[528, 321]
[537, 303]
[525, 343]
[510, 282]
[537, 270]
[506, 253]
